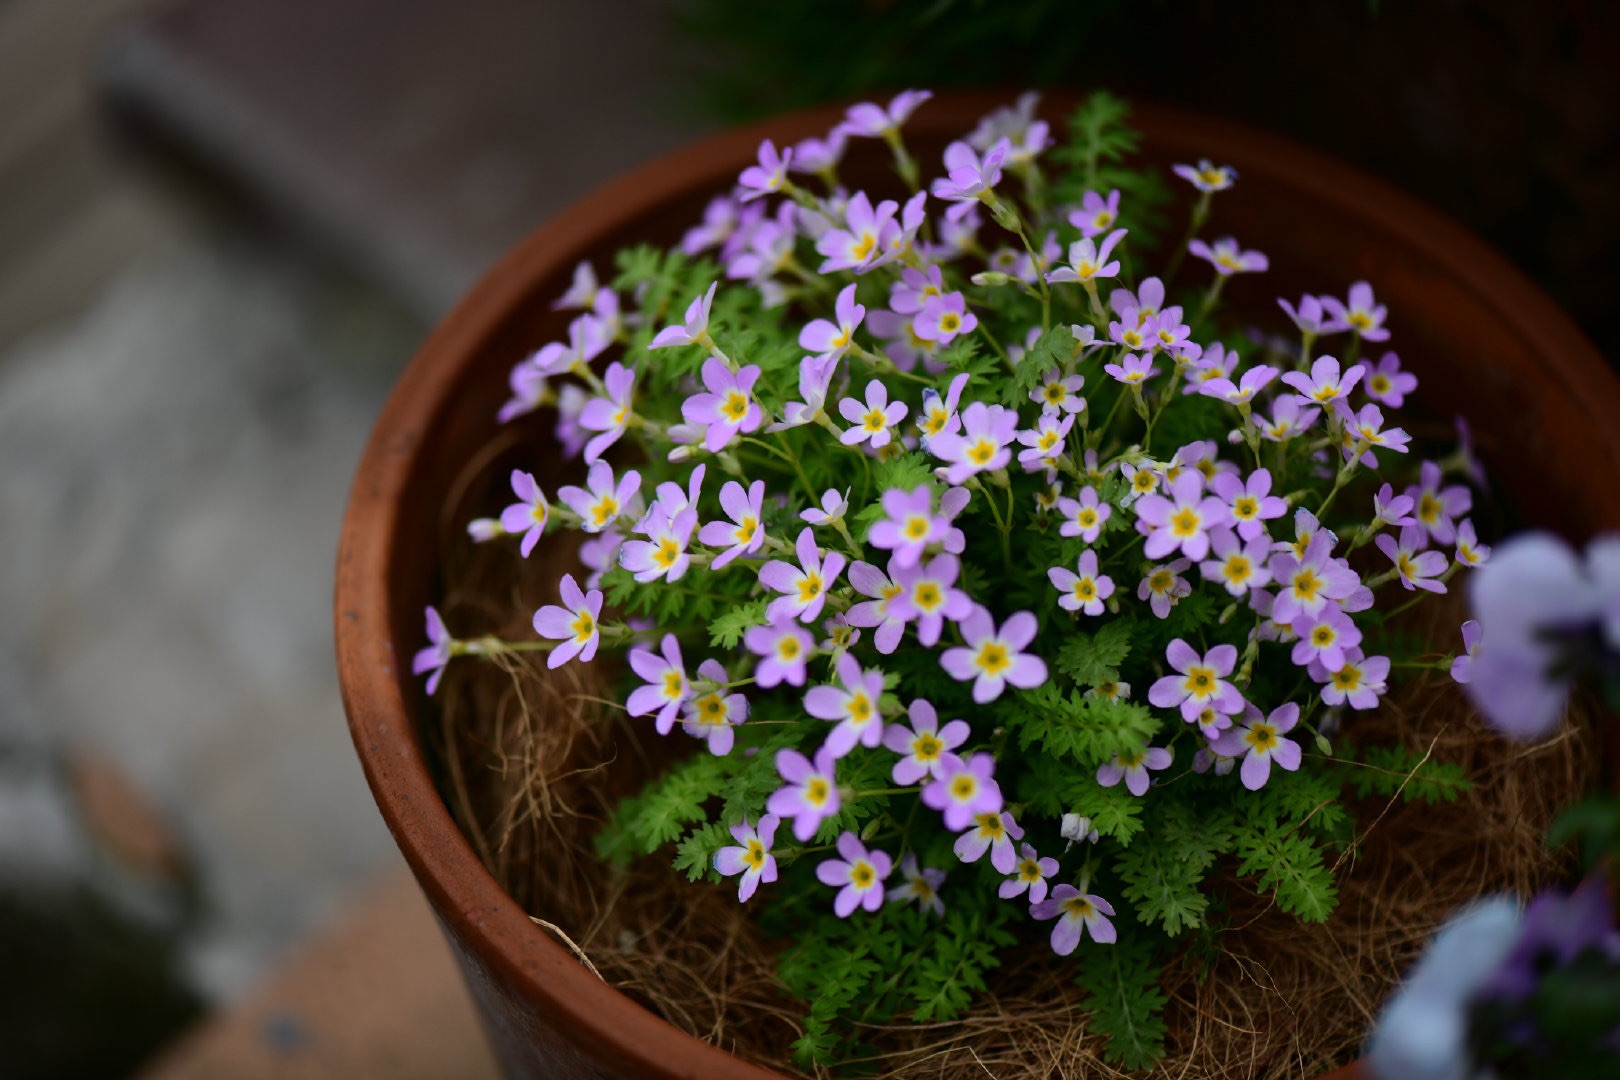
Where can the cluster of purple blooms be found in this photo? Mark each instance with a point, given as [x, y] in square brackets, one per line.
[1198, 516]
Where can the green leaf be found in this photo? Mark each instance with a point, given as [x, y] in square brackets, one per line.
[695, 854]
[727, 631]
[1386, 770]
[1287, 864]
[1163, 868]
[952, 969]
[1122, 992]
[907, 471]
[1093, 659]
[1054, 348]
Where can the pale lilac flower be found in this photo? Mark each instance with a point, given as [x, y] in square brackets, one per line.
[1242, 392]
[963, 790]
[827, 338]
[663, 554]
[1088, 260]
[582, 291]
[600, 553]
[529, 514]
[994, 833]
[751, 856]
[1367, 426]
[951, 504]
[981, 445]
[1142, 480]
[1206, 760]
[1306, 584]
[1059, 392]
[993, 658]
[815, 377]
[672, 498]
[969, 176]
[915, 288]
[871, 420]
[1435, 507]
[575, 624]
[1084, 516]
[768, 249]
[1200, 681]
[1133, 769]
[1079, 912]
[1259, 742]
[852, 703]
[692, 330]
[1078, 829]
[900, 343]
[767, 177]
[744, 534]
[877, 121]
[1362, 313]
[728, 407]
[803, 587]
[924, 746]
[1392, 509]
[841, 636]
[1250, 501]
[1228, 258]
[1289, 417]
[931, 596]
[811, 792]
[610, 415]
[530, 390]
[1309, 317]
[1029, 269]
[1206, 177]
[1182, 521]
[909, 525]
[820, 155]
[1238, 565]
[783, 647]
[1172, 335]
[858, 876]
[720, 220]
[1138, 307]
[1084, 591]
[1045, 442]
[1029, 875]
[432, 660]
[712, 715]
[865, 240]
[667, 686]
[830, 512]
[1360, 682]
[1388, 384]
[1096, 214]
[1462, 668]
[1137, 369]
[1470, 552]
[1163, 586]
[943, 318]
[1325, 638]
[1325, 384]
[603, 499]
[921, 885]
[571, 403]
[1417, 568]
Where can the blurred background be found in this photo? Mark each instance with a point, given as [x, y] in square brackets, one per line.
[224, 226]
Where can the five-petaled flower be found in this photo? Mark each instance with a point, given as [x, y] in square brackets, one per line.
[1084, 516]
[909, 525]
[1181, 522]
[750, 856]
[963, 790]
[663, 554]
[609, 416]
[712, 714]
[811, 793]
[784, 647]
[769, 175]
[994, 833]
[576, 624]
[921, 885]
[852, 704]
[667, 688]
[744, 534]
[803, 587]
[1096, 214]
[993, 658]
[924, 745]
[692, 330]
[969, 178]
[1259, 742]
[1205, 176]
[825, 337]
[602, 500]
[1133, 769]
[871, 420]
[1362, 313]
[1200, 681]
[981, 445]
[1228, 258]
[432, 660]
[1163, 586]
[728, 407]
[1076, 912]
[858, 876]
[1416, 567]
[1029, 875]
[529, 514]
[1084, 591]
[1088, 260]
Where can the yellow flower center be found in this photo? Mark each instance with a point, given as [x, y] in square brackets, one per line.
[981, 452]
[964, 786]
[1261, 737]
[674, 685]
[817, 791]
[927, 747]
[992, 658]
[990, 825]
[875, 420]
[1131, 761]
[1085, 589]
[755, 855]
[788, 648]
[1359, 319]
[736, 406]
[1144, 481]
[1307, 584]
[712, 709]
[1323, 636]
[1055, 393]
[927, 596]
[863, 249]
[1086, 518]
[809, 588]
[1108, 688]
[1200, 681]
[584, 626]
[1246, 507]
[916, 527]
[862, 874]
[860, 708]
[745, 531]
[950, 322]
[1428, 508]
[605, 510]
[1237, 570]
[1079, 907]
[1347, 677]
[1379, 385]
[668, 551]
[1029, 870]
[1185, 522]
[1326, 392]
[1160, 580]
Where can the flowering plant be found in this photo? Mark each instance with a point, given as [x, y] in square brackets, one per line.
[999, 590]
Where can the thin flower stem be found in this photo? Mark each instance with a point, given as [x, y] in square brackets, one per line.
[798, 467]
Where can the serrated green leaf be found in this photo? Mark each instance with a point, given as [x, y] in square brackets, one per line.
[727, 631]
[695, 854]
[1093, 659]
[1122, 991]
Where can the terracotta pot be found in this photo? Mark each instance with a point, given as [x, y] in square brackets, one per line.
[1484, 340]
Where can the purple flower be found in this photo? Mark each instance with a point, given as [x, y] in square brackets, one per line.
[751, 857]
[943, 318]
[909, 525]
[833, 339]
[1146, 302]
[744, 534]
[667, 687]
[1045, 442]
[1088, 260]
[694, 329]
[1388, 384]
[711, 715]
[882, 611]
[1360, 682]
[720, 219]
[915, 288]
[1250, 502]
[1238, 565]
[1079, 912]
[1361, 314]
[1556, 928]
[981, 445]
[1417, 568]
[600, 553]
[663, 554]
[1029, 875]
[1309, 317]
[1462, 667]
[1200, 681]
[853, 704]
[1254, 380]
[920, 885]
[1325, 638]
[993, 658]
[815, 376]
[970, 177]
[930, 596]
[1289, 417]
[1181, 522]
[1260, 742]
[728, 407]
[963, 790]
[783, 646]
[831, 511]
[436, 657]
[811, 792]
[602, 500]
[820, 155]
[1392, 509]
[865, 240]
[877, 121]
[1470, 552]
[1163, 586]
[1083, 517]
[803, 587]
[1228, 258]
[1307, 583]
[1096, 214]
[1133, 769]
[871, 420]
[1437, 508]
[1059, 392]
[529, 514]
[1367, 427]
[923, 747]
[608, 415]
[571, 403]
[529, 391]
[1325, 384]
[858, 876]
[575, 624]
[994, 833]
[1084, 591]
[1206, 177]
[1136, 369]
[767, 177]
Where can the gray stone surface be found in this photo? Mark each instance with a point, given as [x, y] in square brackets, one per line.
[173, 466]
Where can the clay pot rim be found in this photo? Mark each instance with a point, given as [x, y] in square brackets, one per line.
[375, 680]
